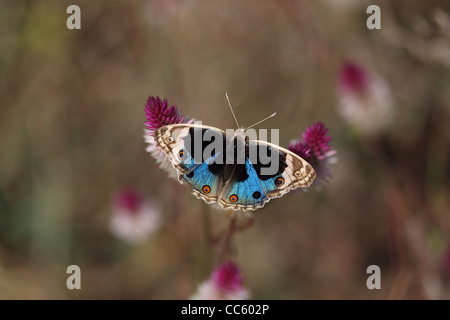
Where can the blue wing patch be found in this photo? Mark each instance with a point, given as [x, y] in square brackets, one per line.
[204, 182]
[248, 192]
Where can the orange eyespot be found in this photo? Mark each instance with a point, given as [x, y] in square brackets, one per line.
[181, 154]
[206, 189]
[233, 198]
[279, 182]
[297, 174]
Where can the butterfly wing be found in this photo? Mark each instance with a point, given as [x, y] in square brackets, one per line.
[185, 146]
[294, 172]
[245, 186]
[243, 191]
[252, 185]
[205, 183]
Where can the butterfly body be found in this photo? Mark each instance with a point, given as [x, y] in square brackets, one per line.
[231, 170]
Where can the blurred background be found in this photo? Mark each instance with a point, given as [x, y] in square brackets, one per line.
[71, 137]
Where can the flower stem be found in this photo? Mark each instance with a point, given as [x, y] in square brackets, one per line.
[225, 250]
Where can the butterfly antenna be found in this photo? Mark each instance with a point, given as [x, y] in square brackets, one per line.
[272, 115]
[229, 103]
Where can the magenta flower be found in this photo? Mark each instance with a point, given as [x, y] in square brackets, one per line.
[133, 217]
[353, 78]
[225, 283]
[158, 114]
[365, 100]
[227, 277]
[300, 148]
[128, 200]
[317, 139]
[314, 146]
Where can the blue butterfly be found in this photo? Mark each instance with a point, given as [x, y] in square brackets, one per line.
[235, 180]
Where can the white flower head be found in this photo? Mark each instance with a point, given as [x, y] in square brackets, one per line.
[365, 101]
[134, 218]
[225, 283]
[161, 159]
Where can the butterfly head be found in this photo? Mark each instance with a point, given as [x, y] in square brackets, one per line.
[240, 133]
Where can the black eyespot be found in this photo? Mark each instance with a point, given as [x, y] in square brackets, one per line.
[279, 182]
[206, 189]
[256, 195]
[181, 154]
[190, 174]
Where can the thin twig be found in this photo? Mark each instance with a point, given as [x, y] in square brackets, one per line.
[225, 250]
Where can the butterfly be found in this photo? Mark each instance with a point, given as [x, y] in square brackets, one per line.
[230, 169]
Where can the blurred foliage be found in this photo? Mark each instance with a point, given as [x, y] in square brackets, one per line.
[71, 130]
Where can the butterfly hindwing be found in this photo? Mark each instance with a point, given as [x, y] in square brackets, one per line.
[205, 183]
[293, 173]
[243, 190]
[258, 185]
